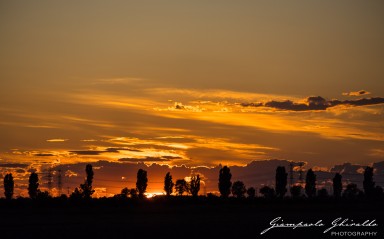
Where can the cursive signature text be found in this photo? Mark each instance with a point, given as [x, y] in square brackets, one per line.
[340, 222]
[278, 222]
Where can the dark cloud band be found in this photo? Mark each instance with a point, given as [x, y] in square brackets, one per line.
[315, 103]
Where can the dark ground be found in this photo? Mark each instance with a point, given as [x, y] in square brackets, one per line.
[155, 219]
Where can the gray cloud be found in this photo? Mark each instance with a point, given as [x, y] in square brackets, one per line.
[87, 152]
[315, 103]
[13, 165]
[116, 150]
[254, 104]
[43, 155]
[171, 157]
[346, 168]
[98, 152]
[357, 93]
[359, 102]
[146, 159]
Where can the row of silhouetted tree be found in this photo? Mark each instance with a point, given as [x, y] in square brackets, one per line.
[225, 185]
[239, 190]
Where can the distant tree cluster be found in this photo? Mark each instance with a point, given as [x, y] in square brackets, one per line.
[192, 187]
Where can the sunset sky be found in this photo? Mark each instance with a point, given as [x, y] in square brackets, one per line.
[194, 83]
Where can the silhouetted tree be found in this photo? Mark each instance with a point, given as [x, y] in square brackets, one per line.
[281, 181]
[77, 194]
[238, 189]
[352, 192]
[194, 185]
[33, 185]
[337, 185]
[181, 186]
[310, 184]
[267, 192]
[368, 184]
[251, 192]
[225, 181]
[86, 188]
[124, 192]
[378, 191]
[322, 193]
[89, 172]
[141, 183]
[133, 193]
[168, 184]
[8, 186]
[296, 191]
[43, 195]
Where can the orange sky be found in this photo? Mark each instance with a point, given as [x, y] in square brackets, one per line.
[197, 83]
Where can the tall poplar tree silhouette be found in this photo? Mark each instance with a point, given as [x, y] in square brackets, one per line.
[310, 184]
[141, 183]
[225, 181]
[168, 184]
[337, 185]
[194, 185]
[368, 184]
[281, 182]
[8, 186]
[33, 187]
[87, 186]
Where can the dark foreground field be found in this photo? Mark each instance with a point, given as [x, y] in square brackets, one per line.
[186, 220]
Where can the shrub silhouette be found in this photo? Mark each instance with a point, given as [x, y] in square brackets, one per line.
[194, 185]
[267, 192]
[77, 194]
[378, 191]
[133, 193]
[225, 181]
[124, 192]
[281, 181]
[43, 195]
[322, 193]
[352, 192]
[238, 189]
[296, 191]
[141, 183]
[337, 185]
[310, 184]
[251, 192]
[168, 184]
[33, 185]
[8, 186]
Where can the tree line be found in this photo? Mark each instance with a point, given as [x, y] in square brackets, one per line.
[225, 186]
